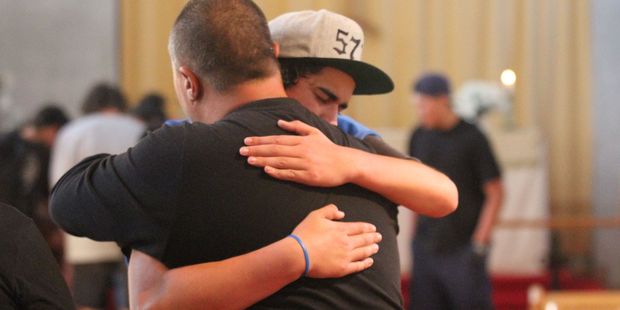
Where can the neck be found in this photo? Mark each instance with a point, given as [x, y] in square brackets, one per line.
[217, 105]
[449, 121]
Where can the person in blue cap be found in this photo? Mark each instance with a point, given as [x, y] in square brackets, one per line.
[449, 254]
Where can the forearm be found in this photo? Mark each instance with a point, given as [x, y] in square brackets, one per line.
[234, 283]
[406, 182]
[489, 213]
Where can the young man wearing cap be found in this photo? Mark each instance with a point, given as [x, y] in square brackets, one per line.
[449, 254]
[320, 60]
[320, 53]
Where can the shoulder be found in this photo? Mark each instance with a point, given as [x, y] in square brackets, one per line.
[420, 134]
[169, 135]
[471, 131]
[417, 131]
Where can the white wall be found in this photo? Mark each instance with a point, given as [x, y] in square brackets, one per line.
[54, 50]
[606, 123]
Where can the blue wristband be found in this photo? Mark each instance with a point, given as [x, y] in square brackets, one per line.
[303, 248]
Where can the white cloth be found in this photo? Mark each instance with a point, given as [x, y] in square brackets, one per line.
[111, 133]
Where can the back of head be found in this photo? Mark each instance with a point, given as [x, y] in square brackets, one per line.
[432, 84]
[104, 96]
[50, 115]
[225, 42]
[151, 110]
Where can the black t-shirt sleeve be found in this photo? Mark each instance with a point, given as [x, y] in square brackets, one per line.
[128, 198]
[486, 166]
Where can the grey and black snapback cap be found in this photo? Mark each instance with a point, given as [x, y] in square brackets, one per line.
[329, 39]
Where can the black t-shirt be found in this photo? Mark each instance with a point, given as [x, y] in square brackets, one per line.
[463, 154]
[29, 275]
[184, 195]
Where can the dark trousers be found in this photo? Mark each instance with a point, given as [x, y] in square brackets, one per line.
[454, 280]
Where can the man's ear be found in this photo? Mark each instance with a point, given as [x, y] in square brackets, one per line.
[276, 49]
[192, 86]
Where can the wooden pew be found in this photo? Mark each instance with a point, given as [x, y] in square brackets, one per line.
[539, 299]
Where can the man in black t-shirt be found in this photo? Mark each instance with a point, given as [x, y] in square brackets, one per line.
[185, 195]
[29, 276]
[449, 253]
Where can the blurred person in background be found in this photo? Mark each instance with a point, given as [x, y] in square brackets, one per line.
[151, 110]
[449, 254]
[97, 267]
[24, 166]
[24, 159]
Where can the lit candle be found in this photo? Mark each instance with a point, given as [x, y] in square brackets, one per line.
[508, 78]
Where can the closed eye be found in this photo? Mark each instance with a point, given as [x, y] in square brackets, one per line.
[327, 95]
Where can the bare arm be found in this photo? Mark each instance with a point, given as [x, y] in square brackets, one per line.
[312, 159]
[490, 210]
[335, 250]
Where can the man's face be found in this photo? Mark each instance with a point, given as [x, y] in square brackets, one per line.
[325, 93]
[430, 109]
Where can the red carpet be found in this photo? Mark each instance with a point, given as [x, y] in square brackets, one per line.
[510, 291]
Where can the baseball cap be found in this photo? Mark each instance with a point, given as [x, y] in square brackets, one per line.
[329, 39]
[432, 84]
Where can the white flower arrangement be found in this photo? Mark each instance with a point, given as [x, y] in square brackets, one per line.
[476, 98]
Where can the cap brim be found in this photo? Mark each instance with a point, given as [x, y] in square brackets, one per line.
[369, 80]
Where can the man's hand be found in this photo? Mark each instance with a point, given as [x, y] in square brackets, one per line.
[309, 158]
[336, 248]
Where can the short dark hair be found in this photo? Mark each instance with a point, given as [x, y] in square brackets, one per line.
[50, 115]
[151, 110]
[293, 69]
[432, 84]
[103, 96]
[225, 42]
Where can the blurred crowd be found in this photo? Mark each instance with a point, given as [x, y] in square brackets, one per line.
[35, 154]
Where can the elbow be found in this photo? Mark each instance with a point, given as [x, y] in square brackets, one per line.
[447, 200]
[65, 217]
[150, 302]
[452, 198]
[56, 212]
